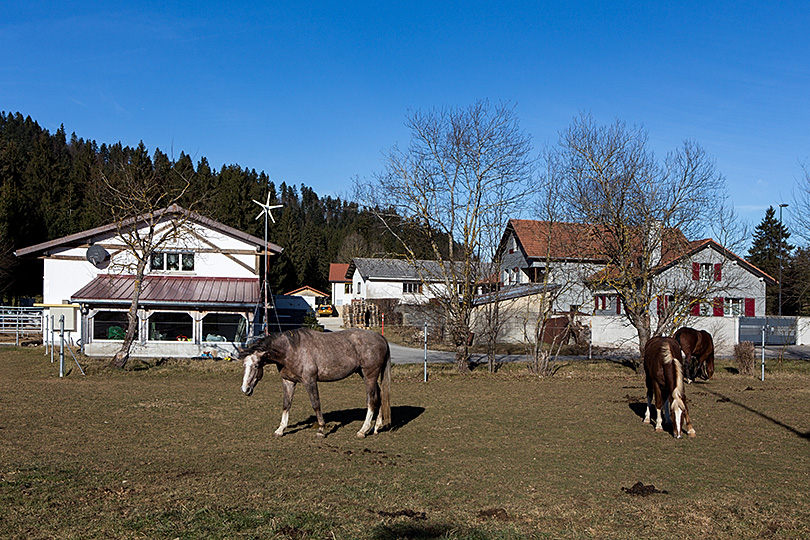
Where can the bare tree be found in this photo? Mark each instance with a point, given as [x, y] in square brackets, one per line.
[463, 173]
[640, 211]
[144, 207]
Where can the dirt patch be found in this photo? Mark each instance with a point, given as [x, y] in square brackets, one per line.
[494, 513]
[640, 490]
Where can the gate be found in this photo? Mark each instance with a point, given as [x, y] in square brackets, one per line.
[778, 330]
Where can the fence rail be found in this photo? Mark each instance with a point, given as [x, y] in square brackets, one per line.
[20, 321]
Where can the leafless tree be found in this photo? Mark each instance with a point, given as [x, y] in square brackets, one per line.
[144, 208]
[640, 211]
[464, 172]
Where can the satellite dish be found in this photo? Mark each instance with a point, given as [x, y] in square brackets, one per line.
[97, 256]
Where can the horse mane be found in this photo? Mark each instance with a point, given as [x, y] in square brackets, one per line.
[265, 343]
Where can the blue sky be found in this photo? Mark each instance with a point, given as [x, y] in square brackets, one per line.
[314, 93]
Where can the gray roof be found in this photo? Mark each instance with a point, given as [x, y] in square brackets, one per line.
[401, 270]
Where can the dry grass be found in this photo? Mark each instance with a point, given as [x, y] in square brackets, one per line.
[175, 451]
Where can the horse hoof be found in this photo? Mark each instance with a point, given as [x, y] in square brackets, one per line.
[658, 429]
[692, 434]
[277, 434]
[361, 435]
[646, 421]
[321, 435]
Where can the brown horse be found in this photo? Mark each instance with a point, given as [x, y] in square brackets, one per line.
[664, 379]
[696, 344]
[309, 357]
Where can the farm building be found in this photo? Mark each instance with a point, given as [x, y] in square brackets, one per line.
[201, 292]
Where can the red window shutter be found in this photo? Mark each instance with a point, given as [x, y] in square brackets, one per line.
[749, 307]
[595, 303]
[658, 307]
[718, 271]
[618, 305]
[695, 271]
[717, 306]
[696, 308]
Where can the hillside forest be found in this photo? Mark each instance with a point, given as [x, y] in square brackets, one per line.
[50, 187]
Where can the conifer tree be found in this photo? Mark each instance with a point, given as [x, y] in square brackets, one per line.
[770, 249]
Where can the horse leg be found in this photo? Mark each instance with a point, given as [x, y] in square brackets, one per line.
[373, 406]
[659, 409]
[689, 429]
[288, 389]
[312, 390]
[649, 407]
[687, 367]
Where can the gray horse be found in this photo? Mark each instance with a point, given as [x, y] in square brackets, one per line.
[309, 357]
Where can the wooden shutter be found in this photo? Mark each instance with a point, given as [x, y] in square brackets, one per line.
[696, 308]
[717, 307]
[695, 271]
[749, 307]
[618, 305]
[718, 271]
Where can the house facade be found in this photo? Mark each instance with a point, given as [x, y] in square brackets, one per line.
[384, 279]
[722, 283]
[201, 293]
[340, 285]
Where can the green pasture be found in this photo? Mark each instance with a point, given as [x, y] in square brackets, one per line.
[173, 449]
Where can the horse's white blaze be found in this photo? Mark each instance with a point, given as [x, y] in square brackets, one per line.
[678, 413]
[250, 363]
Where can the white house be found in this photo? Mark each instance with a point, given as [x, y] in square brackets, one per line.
[201, 294]
[713, 281]
[341, 285]
[378, 279]
[567, 251]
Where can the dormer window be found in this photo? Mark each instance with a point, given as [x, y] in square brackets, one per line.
[172, 261]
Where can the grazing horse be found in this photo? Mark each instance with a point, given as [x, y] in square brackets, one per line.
[664, 379]
[697, 344]
[309, 357]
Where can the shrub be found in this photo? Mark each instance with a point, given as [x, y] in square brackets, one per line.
[745, 357]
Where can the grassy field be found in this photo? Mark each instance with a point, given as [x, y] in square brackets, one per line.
[176, 451]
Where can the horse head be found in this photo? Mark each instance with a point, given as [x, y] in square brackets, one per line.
[254, 370]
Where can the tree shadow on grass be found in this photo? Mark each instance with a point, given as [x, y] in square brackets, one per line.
[401, 416]
[726, 399]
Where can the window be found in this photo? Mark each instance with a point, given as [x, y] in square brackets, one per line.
[347, 288]
[224, 327]
[735, 307]
[536, 275]
[111, 325]
[173, 261]
[707, 271]
[166, 326]
[607, 304]
[412, 288]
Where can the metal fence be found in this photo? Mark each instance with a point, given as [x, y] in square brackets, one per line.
[778, 330]
[20, 321]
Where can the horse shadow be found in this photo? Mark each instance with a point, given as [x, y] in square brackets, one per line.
[401, 416]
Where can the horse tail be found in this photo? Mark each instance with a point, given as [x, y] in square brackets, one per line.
[385, 390]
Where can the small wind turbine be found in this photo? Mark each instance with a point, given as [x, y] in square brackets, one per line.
[266, 207]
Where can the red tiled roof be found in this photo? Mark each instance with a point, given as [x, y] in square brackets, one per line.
[337, 272]
[177, 290]
[581, 241]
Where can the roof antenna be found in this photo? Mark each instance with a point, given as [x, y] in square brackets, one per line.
[266, 207]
